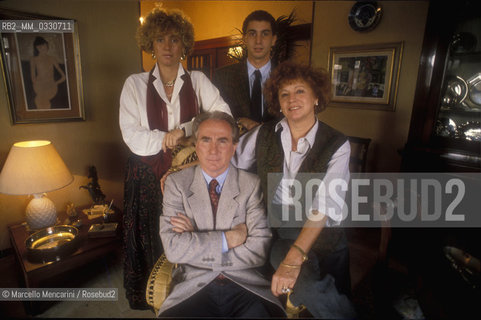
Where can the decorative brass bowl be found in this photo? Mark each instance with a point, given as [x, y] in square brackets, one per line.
[52, 243]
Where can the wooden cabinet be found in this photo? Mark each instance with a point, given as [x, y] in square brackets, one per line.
[211, 54]
[445, 131]
[445, 136]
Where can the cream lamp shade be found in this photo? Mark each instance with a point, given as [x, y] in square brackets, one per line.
[33, 168]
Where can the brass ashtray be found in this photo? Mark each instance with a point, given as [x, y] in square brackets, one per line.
[52, 243]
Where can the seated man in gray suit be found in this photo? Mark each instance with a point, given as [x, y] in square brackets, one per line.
[215, 228]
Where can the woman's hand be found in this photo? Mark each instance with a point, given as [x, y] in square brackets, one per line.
[171, 139]
[286, 274]
[181, 223]
[289, 269]
[284, 278]
[248, 123]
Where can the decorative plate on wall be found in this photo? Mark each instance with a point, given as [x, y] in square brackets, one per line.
[364, 15]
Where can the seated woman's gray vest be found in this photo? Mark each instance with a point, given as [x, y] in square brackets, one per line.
[270, 159]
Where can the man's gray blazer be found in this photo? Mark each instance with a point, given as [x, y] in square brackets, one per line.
[199, 253]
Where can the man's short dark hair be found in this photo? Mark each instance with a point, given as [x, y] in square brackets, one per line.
[216, 115]
[260, 15]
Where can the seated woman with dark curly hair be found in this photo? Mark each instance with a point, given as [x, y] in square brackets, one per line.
[156, 109]
[311, 259]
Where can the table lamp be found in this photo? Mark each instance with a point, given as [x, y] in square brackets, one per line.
[33, 168]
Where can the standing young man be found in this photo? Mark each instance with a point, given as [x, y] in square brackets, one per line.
[240, 84]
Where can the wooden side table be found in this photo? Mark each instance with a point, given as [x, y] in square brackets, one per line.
[38, 275]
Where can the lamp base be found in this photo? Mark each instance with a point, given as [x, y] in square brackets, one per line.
[41, 212]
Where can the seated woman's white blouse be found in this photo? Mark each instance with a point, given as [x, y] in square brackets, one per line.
[338, 168]
[133, 121]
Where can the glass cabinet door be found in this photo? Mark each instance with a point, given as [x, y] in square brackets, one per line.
[445, 129]
[459, 117]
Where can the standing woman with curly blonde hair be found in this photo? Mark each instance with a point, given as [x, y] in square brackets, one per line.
[156, 111]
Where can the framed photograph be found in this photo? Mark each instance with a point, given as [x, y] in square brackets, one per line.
[365, 76]
[41, 67]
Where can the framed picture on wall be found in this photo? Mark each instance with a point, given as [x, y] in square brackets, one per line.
[365, 76]
[41, 67]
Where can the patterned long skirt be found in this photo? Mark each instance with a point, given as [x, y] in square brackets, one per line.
[141, 241]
